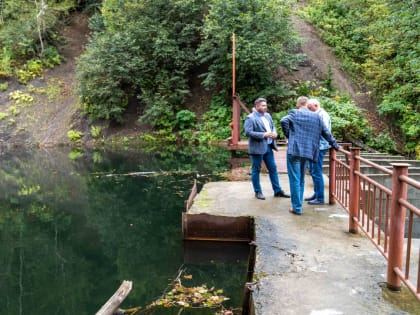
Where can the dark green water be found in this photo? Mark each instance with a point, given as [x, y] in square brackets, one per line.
[73, 226]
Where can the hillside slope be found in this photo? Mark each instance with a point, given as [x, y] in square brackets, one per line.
[321, 62]
[45, 120]
[55, 110]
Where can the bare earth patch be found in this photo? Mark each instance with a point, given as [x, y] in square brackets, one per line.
[45, 120]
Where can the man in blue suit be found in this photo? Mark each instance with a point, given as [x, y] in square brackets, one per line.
[261, 133]
[303, 129]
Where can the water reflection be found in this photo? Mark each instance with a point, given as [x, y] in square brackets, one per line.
[73, 225]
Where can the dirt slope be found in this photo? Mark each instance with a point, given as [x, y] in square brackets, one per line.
[322, 60]
[54, 110]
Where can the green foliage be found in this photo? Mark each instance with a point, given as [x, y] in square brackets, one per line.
[145, 51]
[264, 40]
[95, 131]
[159, 137]
[30, 70]
[19, 35]
[74, 136]
[6, 63]
[382, 142]
[214, 125]
[187, 136]
[185, 119]
[13, 110]
[50, 57]
[75, 154]
[4, 86]
[346, 118]
[102, 77]
[20, 98]
[3, 116]
[378, 39]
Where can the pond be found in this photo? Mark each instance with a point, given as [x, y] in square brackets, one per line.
[75, 224]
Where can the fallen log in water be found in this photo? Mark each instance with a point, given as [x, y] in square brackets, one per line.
[111, 306]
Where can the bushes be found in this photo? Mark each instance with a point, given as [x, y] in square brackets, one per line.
[158, 45]
[102, 78]
[19, 36]
[145, 51]
[378, 39]
[264, 41]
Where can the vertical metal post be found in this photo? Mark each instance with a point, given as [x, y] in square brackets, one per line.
[397, 226]
[354, 195]
[233, 65]
[235, 127]
[332, 177]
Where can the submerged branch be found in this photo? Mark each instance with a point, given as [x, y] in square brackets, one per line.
[151, 173]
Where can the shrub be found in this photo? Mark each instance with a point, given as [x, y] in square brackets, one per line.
[378, 43]
[4, 86]
[74, 136]
[185, 119]
[20, 97]
[95, 131]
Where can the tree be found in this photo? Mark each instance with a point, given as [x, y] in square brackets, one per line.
[264, 42]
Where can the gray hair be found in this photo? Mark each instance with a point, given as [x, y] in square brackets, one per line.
[313, 101]
[259, 100]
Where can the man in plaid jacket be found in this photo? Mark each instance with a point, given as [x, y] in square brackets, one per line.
[303, 129]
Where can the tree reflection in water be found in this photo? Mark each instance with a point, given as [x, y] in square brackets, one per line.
[73, 225]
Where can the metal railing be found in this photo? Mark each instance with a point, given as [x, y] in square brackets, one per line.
[379, 211]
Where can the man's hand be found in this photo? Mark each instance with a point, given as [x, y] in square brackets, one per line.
[272, 135]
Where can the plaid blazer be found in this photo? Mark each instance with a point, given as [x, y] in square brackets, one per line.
[304, 129]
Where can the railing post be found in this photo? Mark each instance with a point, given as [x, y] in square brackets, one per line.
[354, 194]
[331, 177]
[397, 226]
[236, 117]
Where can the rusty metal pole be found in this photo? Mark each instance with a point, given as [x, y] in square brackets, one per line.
[354, 195]
[235, 105]
[233, 65]
[332, 177]
[397, 226]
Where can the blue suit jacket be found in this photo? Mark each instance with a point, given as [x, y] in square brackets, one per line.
[254, 130]
[304, 129]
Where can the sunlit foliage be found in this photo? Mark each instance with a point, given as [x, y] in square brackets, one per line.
[380, 40]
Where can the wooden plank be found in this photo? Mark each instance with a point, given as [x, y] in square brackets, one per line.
[111, 306]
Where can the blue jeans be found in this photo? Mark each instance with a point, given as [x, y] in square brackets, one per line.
[270, 163]
[296, 168]
[317, 177]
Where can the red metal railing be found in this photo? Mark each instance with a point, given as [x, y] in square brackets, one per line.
[379, 211]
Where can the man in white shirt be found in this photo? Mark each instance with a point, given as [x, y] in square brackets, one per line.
[262, 135]
[316, 167]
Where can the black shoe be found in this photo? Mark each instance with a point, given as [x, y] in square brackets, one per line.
[315, 202]
[281, 193]
[259, 195]
[310, 198]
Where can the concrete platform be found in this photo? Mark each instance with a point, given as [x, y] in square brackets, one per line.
[306, 264]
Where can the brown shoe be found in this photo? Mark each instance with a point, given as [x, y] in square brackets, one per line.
[294, 212]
